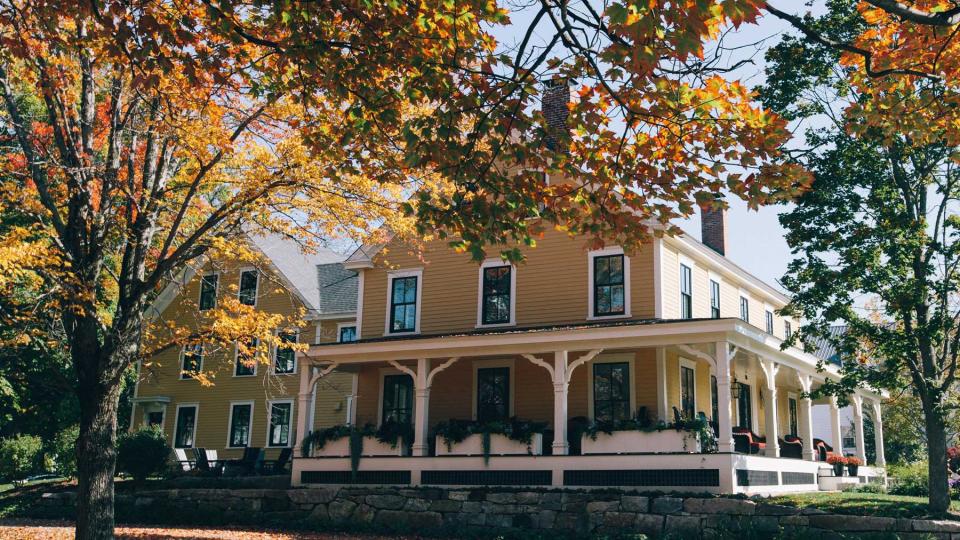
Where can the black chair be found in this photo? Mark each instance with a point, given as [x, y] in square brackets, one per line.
[791, 446]
[279, 465]
[249, 463]
[575, 428]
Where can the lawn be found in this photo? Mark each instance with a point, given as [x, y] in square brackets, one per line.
[56, 530]
[864, 504]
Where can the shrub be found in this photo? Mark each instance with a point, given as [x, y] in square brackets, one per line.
[64, 447]
[911, 479]
[19, 456]
[142, 453]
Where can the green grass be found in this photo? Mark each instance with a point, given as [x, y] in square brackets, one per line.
[864, 504]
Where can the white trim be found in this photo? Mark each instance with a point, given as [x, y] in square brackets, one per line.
[384, 372]
[348, 324]
[612, 358]
[236, 359]
[496, 263]
[176, 423]
[657, 278]
[743, 294]
[627, 304]
[249, 424]
[290, 427]
[183, 355]
[683, 260]
[216, 290]
[256, 290]
[392, 275]
[494, 363]
[691, 364]
[767, 308]
[360, 279]
[711, 279]
[276, 350]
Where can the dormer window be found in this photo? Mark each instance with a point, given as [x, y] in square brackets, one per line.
[686, 292]
[249, 282]
[609, 284]
[497, 284]
[208, 292]
[404, 314]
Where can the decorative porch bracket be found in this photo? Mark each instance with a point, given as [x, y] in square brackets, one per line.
[806, 416]
[560, 373]
[770, 370]
[422, 380]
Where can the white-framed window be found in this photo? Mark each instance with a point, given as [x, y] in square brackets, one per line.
[185, 425]
[744, 397]
[793, 417]
[396, 403]
[608, 275]
[285, 358]
[209, 283]
[241, 424]
[787, 330]
[245, 361]
[404, 293]
[279, 422]
[768, 319]
[744, 308]
[688, 388]
[496, 294]
[346, 332]
[609, 375]
[493, 389]
[686, 291]
[155, 417]
[714, 299]
[248, 290]
[191, 360]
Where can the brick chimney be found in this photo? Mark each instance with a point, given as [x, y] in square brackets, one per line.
[554, 102]
[713, 228]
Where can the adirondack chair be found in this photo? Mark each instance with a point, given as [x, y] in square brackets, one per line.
[207, 461]
[180, 455]
[279, 465]
[249, 464]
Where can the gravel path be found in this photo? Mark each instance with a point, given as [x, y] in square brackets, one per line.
[57, 530]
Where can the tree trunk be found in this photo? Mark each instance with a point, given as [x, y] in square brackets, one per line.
[96, 456]
[937, 461]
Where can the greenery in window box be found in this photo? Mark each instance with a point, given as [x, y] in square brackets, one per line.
[394, 433]
[456, 431]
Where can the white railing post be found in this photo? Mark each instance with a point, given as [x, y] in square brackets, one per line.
[770, 369]
[421, 408]
[724, 418]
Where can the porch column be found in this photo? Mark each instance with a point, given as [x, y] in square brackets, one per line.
[881, 460]
[663, 406]
[303, 402]
[805, 416]
[724, 401]
[770, 369]
[857, 402]
[835, 432]
[421, 408]
[560, 388]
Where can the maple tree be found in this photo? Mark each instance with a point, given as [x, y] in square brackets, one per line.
[140, 139]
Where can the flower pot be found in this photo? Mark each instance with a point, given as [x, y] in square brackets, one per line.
[852, 469]
[838, 469]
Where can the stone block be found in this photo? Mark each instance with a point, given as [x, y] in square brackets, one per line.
[651, 524]
[312, 495]
[853, 523]
[475, 520]
[417, 505]
[364, 514]
[458, 495]
[319, 513]
[445, 505]
[386, 502]
[551, 501]
[619, 520]
[932, 525]
[523, 521]
[471, 507]
[502, 498]
[634, 503]
[602, 506]
[527, 497]
[685, 526]
[719, 505]
[570, 521]
[503, 521]
[546, 518]
[667, 505]
[767, 509]
[143, 501]
[794, 521]
[341, 509]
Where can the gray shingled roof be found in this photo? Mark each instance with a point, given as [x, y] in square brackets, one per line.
[298, 267]
[338, 288]
[823, 347]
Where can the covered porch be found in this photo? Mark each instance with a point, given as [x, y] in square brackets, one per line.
[618, 405]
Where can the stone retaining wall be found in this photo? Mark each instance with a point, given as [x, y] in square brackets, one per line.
[431, 509]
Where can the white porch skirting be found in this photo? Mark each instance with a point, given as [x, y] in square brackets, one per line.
[683, 472]
[622, 442]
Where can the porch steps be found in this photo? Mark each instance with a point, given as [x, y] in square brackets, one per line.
[828, 482]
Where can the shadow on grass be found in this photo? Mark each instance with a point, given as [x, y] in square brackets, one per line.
[866, 504]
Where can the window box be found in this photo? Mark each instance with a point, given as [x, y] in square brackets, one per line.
[624, 442]
[500, 445]
[371, 447]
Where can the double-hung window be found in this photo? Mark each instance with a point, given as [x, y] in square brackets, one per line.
[688, 392]
[347, 334]
[186, 426]
[744, 309]
[403, 304]
[208, 292]
[496, 294]
[611, 391]
[787, 330]
[191, 360]
[241, 418]
[249, 280]
[608, 285]
[245, 362]
[768, 318]
[397, 399]
[686, 292]
[285, 360]
[714, 299]
[493, 394]
[281, 415]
